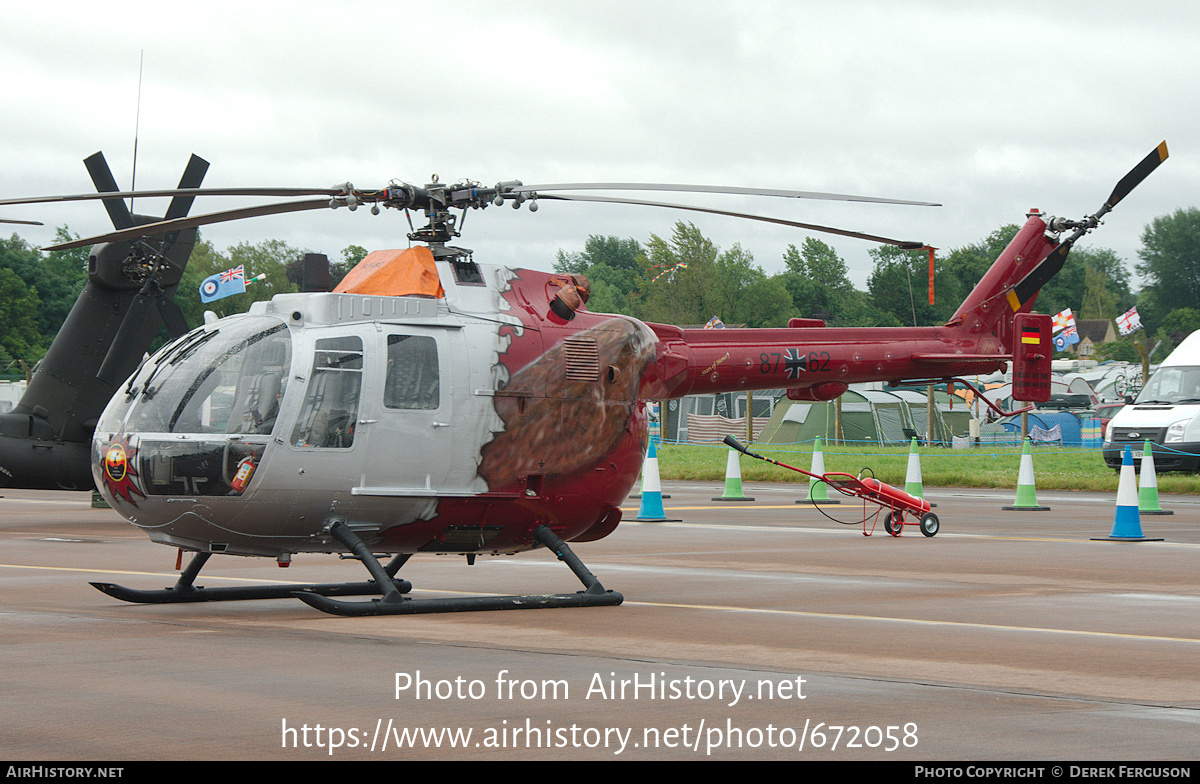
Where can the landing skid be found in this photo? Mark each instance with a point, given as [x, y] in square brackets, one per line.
[185, 591]
[390, 599]
[392, 602]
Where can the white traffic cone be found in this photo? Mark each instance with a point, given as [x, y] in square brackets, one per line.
[818, 491]
[733, 479]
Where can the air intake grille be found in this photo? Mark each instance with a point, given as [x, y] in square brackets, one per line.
[583, 361]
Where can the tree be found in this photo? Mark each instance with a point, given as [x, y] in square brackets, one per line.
[673, 281]
[817, 280]
[696, 281]
[1170, 257]
[613, 267]
[1174, 327]
[1094, 282]
[899, 286]
[57, 277]
[19, 335]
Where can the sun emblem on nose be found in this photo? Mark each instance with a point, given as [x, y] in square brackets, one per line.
[118, 471]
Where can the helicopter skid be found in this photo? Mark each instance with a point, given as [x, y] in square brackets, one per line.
[392, 603]
[185, 591]
[177, 595]
[406, 606]
[390, 599]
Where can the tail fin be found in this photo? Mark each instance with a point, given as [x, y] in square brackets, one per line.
[1011, 285]
[1029, 262]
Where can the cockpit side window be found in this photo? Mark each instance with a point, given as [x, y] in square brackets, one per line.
[330, 409]
[412, 373]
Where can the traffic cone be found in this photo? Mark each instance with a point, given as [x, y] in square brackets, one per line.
[818, 491]
[912, 479]
[1148, 485]
[651, 509]
[1127, 524]
[642, 479]
[1026, 493]
[733, 479]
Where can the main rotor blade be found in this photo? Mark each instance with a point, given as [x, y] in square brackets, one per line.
[1136, 175]
[655, 186]
[22, 222]
[904, 244]
[161, 227]
[176, 192]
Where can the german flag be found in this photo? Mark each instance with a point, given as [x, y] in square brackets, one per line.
[1031, 335]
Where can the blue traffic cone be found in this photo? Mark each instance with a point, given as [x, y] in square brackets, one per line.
[651, 509]
[1127, 523]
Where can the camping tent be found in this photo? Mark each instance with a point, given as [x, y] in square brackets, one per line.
[868, 416]
[1042, 428]
[918, 407]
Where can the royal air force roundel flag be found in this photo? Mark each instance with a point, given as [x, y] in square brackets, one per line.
[1068, 337]
[223, 284]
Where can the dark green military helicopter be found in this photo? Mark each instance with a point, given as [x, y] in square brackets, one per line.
[45, 441]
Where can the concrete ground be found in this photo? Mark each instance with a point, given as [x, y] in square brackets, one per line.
[760, 630]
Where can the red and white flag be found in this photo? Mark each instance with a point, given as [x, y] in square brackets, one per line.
[1064, 320]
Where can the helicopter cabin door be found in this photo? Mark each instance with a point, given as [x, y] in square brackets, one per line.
[407, 418]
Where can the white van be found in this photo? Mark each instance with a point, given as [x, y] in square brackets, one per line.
[1166, 411]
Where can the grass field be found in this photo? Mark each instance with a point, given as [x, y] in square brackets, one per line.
[1055, 468]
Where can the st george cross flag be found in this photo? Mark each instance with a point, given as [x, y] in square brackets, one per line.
[1064, 320]
[1129, 322]
[223, 284]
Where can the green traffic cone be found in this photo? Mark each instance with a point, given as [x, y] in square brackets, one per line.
[1148, 485]
[1026, 492]
[733, 479]
[912, 479]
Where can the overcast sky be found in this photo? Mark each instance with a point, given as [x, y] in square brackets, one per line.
[988, 108]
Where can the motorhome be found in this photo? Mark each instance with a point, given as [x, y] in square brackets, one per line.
[1166, 412]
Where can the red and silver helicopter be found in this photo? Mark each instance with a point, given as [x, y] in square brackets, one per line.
[435, 404]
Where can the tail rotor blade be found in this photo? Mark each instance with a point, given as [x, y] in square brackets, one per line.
[121, 357]
[171, 314]
[1136, 175]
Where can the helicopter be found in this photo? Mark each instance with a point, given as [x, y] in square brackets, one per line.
[45, 440]
[431, 403]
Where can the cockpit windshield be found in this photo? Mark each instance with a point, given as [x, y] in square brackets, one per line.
[227, 379]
